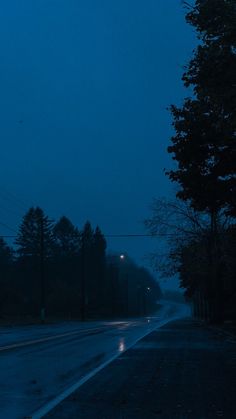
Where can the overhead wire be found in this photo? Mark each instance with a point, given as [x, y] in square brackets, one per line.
[8, 227]
[9, 196]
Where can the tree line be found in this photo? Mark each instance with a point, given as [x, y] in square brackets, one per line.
[55, 269]
[202, 219]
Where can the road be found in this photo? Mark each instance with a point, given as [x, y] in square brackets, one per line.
[40, 364]
[183, 370]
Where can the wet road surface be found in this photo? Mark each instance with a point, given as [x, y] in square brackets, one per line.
[181, 371]
[39, 363]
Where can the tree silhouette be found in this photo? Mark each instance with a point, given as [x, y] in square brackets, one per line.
[35, 226]
[66, 237]
[205, 141]
[35, 248]
[99, 270]
[6, 274]
[204, 144]
[64, 269]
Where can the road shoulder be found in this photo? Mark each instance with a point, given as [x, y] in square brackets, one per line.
[182, 370]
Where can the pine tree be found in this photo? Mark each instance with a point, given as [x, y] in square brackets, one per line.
[64, 279]
[6, 254]
[99, 267]
[35, 248]
[93, 264]
[67, 238]
[6, 264]
[35, 227]
[86, 269]
[100, 244]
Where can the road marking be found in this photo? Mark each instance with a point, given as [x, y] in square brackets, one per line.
[49, 338]
[58, 399]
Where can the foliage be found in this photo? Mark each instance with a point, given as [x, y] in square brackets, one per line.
[176, 224]
[35, 227]
[204, 149]
[67, 238]
[79, 280]
[204, 146]
[204, 263]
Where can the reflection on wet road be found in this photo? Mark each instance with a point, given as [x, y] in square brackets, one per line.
[37, 364]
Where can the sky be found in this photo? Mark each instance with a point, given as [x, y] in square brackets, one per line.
[85, 86]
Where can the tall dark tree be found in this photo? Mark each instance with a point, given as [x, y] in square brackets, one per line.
[99, 267]
[199, 148]
[211, 71]
[6, 271]
[205, 142]
[93, 271]
[6, 254]
[86, 269]
[35, 227]
[65, 279]
[35, 248]
[67, 238]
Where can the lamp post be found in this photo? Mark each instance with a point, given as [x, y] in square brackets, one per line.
[116, 291]
[42, 276]
[83, 292]
[126, 288]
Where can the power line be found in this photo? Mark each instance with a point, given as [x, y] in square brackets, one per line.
[138, 235]
[13, 198]
[7, 237]
[9, 228]
[6, 210]
[117, 235]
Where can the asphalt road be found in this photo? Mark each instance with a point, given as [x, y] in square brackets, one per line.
[38, 364]
[184, 370]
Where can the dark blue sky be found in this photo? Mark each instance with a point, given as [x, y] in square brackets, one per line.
[84, 127]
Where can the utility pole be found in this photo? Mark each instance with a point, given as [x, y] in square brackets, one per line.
[83, 302]
[127, 294]
[42, 273]
[139, 299]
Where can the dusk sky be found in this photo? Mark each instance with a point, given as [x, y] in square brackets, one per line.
[84, 128]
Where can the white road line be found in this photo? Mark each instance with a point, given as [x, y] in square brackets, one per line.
[49, 338]
[58, 399]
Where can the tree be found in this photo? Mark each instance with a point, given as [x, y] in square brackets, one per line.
[205, 268]
[204, 162]
[133, 290]
[205, 144]
[211, 71]
[175, 224]
[86, 268]
[35, 227]
[6, 270]
[65, 279]
[35, 248]
[99, 268]
[185, 231]
[93, 254]
[66, 237]
[6, 254]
